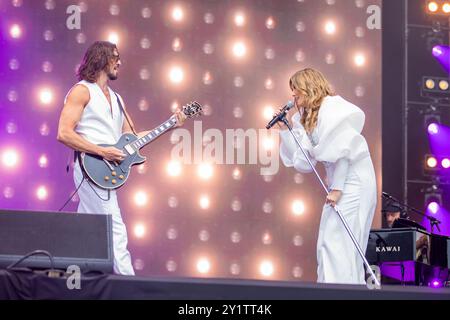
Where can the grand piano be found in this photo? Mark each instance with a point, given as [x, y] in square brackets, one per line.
[409, 255]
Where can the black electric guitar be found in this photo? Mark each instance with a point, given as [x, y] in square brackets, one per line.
[112, 174]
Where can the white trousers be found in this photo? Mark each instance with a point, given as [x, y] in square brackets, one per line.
[337, 257]
[91, 203]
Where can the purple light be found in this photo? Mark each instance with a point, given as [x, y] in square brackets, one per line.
[436, 284]
[442, 54]
[15, 31]
[433, 207]
[437, 51]
[445, 163]
[433, 128]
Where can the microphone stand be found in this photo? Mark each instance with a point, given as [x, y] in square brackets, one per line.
[433, 221]
[349, 231]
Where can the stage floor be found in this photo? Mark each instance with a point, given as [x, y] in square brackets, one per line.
[27, 285]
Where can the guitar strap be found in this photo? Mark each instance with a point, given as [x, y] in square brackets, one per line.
[125, 114]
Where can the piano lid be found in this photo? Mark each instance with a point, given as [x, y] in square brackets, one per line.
[406, 223]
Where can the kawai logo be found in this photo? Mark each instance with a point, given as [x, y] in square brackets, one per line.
[388, 249]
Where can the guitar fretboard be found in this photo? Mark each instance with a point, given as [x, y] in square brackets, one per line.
[153, 134]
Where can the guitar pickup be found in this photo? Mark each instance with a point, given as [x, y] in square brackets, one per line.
[129, 149]
[108, 164]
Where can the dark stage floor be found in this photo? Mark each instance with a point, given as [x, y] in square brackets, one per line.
[26, 285]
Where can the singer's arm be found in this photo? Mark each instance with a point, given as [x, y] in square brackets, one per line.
[340, 174]
[292, 155]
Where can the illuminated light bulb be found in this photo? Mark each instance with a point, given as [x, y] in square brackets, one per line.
[443, 85]
[10, 158]
[270, 23]
[139, 230]
[176, 75]
[15, 31]
[171, 266]
[266, 238]
[142, 168]
[298, 207]
[430, 84]
[205, 171]
[268, 112]
[140, 198]
[177, 14]
[445, 163]
[174, 168]
[204, 202]
[177, 45]
[43, 161]
[46, 96]
[237, 174]
[203, 265]
[269, 84]
[239, 19]
[113, 37]
[207, 78]
[359, 60]
[42, 193]
[433, 128]
[266, 268]
[446, 7]
[239, 49]
[431, 162]
[330, 28]
[433, 207]
[235, 269]
[433, 6]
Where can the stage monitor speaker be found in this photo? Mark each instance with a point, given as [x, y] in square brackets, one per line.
[84, 240]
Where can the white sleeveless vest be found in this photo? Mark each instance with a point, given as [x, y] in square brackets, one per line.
[98, 124]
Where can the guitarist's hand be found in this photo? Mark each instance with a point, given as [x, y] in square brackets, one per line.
[181, 117]
[111, 154]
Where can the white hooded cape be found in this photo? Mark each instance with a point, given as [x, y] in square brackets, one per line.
[337, 136]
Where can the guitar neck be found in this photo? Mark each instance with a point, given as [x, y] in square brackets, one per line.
[154, 134]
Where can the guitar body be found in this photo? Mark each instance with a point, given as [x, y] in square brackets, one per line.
[107, 174]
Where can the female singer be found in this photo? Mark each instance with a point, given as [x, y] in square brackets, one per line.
[329, 129]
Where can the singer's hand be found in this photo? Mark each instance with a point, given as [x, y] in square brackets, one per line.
[289, 114]
[333, 197]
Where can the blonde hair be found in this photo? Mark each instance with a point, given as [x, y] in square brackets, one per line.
[314, 87]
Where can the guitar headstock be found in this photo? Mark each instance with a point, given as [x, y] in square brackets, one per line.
[193, 109]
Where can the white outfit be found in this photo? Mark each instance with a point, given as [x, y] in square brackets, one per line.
[337, 143]
[100, 124]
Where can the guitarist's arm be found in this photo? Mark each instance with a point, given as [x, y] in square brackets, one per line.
[77, 99]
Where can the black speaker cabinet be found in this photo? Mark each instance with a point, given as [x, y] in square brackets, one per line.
[84, 240]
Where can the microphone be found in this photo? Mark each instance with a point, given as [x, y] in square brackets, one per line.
[283, 112]
[386, 195]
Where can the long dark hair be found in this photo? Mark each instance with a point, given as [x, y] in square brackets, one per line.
[95, 60]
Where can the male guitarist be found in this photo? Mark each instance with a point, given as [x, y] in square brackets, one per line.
[93, 115]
